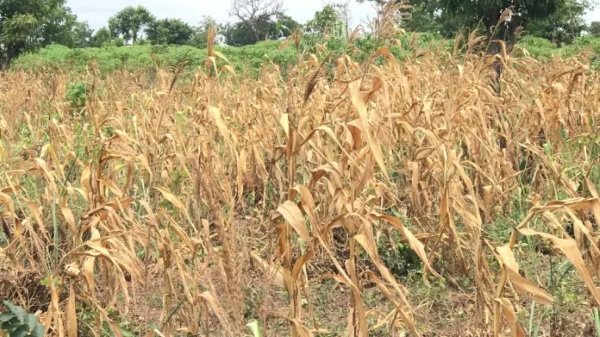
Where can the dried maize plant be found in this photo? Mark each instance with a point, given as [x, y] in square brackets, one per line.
[225, 198]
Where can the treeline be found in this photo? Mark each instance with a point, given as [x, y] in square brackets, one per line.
[560, 21]
[26, 26]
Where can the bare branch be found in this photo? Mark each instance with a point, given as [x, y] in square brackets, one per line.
[250, 12]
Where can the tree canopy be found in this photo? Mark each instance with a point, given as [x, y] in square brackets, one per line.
[169, 31]
[129, 22]
[563, 25]
[594, 28]
[28, 25]
[256, 14]
[559, 20]
[326, 20]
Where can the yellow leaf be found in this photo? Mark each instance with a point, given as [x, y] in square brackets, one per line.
[507, 259]
[6, 200]
[414, 243]
[292, 214]
[509, 313]
[359, 103]
[71, 313]
[283, 278]
[569, 248]
[171, 197]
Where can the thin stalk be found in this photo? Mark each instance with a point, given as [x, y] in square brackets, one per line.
[596, 321]
[55, 227]
[531, 313]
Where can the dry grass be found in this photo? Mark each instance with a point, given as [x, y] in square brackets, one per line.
[221, 200]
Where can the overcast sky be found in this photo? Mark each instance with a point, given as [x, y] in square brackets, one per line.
[96, 13]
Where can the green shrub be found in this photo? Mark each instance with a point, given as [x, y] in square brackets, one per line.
[17, 323]
[250, 59]
[401, 259]
[77, 95]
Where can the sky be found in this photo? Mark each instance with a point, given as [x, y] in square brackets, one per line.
[96, 13]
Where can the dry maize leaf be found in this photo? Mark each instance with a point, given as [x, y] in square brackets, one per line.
[241, 172]
[292, 214]
[509, 313]
[362, 111]
[308, 203]
[356, 131]
[332, 168]
[423, 152]
[367, 174]
[507, 259]
[569, 248]
[144, 161]
[581, 228]
[308, 206]
[72, 269]
[370, 248]
[218, 119]
[172, 198]
[386, 52]
[56, 311]
[302, 330]
[414, 243]
[283, 278]
[285, 124]
[86, 179]
[304, 259]
[49, 148]
[381, 286]
[11, 189]
[221, 56]
[6, 200]
[111, 186]
[592, 188]
[71, 312]
[68, 215]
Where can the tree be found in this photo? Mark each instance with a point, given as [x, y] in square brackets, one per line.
[553, 19]
[284, 26]
[238, 34]
[199, 38]
[426, 16]
[101, 37]
[82, 35]
[254, 14]
[129, 22]
[169, 31]
[489, 13]
[594, 28]
[28, 25]
[562, 26]
[327, 19]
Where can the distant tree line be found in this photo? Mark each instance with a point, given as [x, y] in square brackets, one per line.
[26, 26]
[560, 21]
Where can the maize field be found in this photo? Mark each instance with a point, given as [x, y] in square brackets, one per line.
[214, 204]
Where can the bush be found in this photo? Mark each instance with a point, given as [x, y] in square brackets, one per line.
[250, 59]
[77, 95]
[400, 259]
[16, 322]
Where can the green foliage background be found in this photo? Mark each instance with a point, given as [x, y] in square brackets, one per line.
[250, 59]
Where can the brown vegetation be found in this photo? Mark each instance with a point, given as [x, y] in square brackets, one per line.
[230, 198]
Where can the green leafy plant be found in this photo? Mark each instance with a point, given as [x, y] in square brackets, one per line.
[401, 260]
[77, 95]
[18, 323]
